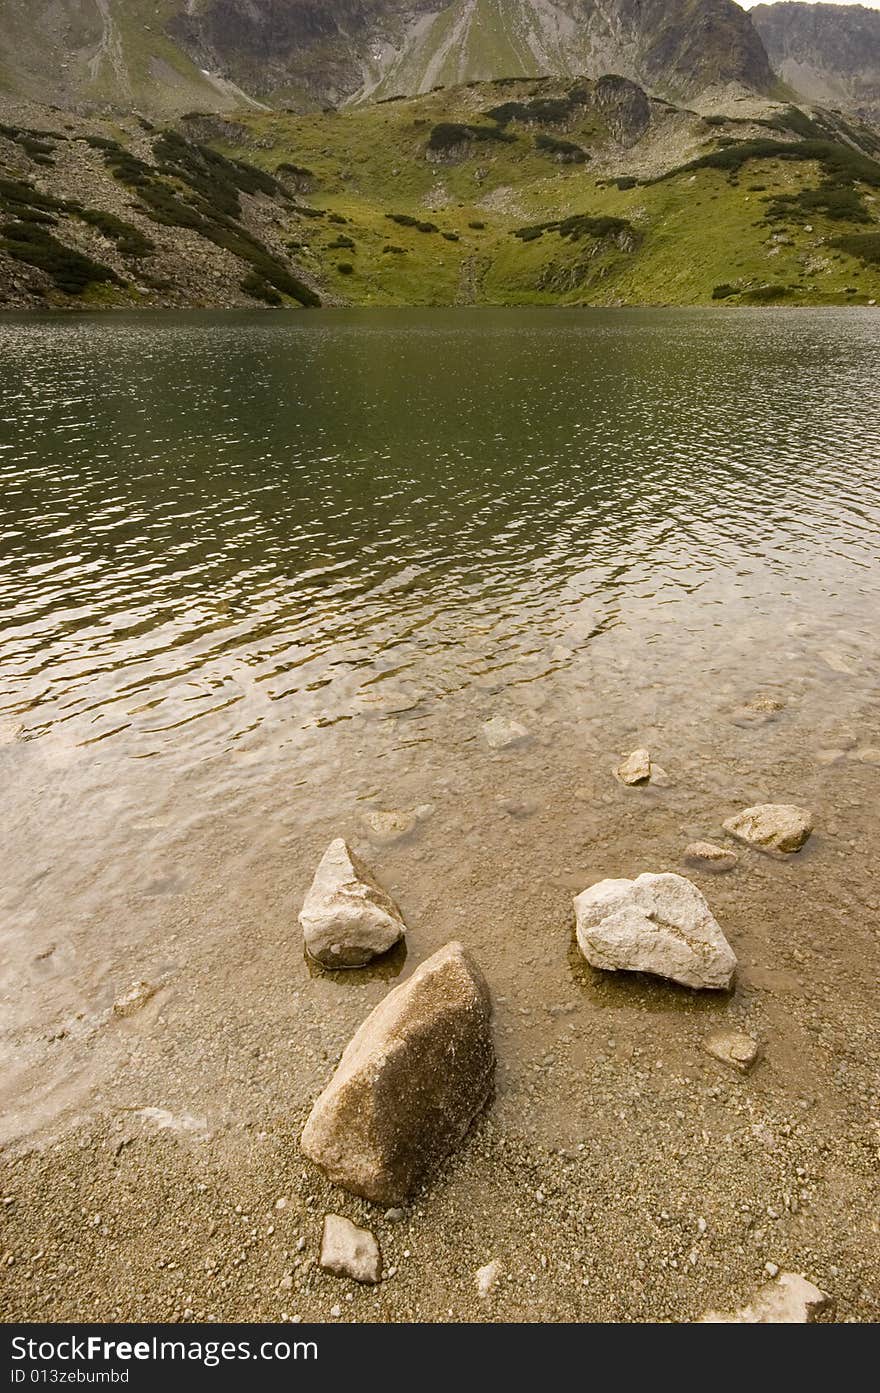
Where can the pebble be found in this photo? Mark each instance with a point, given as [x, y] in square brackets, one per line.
[138, 994]
[732, 1047]
[487, 1278]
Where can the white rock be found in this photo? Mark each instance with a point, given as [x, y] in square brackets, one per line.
[772, 827]
[348, 1251]
[138, 994]
[659, 924]
[487, 1278]
[705, 856]
[501, 733]
[636, 768]
[732, 1047]
[787, 1300]
[347, 919]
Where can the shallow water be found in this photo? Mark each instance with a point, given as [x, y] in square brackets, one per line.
[261, 575]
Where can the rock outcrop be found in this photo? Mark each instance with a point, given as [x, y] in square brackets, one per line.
[347, 919]
[659, 924]
[410, 1083]
[772, 827]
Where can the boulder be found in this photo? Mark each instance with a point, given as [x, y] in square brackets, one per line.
[348, 1251]
[346, 919]
[657, 923]
[788, 1300]
[733, 1048]
[636, 768]
[409, 1084]
[772, 827]
[704, 856]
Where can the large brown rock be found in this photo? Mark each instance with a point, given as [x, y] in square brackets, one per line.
[409, 1084]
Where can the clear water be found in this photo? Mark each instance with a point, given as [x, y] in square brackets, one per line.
[262, 574]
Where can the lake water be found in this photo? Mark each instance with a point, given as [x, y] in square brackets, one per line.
[263, 576]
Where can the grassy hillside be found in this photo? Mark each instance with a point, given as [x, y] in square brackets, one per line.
[451, 198]
[512, 192]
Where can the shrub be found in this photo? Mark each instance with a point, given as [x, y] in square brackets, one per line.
[341, 244]
[563, 150]
[864, 246]
[345, 268]
[723, 292]
[477, 226]
[451, 237]
[70, 270]
[257, 288]
[393, 251]
[449, 135]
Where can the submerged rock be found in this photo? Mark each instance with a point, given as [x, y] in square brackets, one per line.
[347, 919]
[348, 1251]
[772, 827]
[659, 924]
[501, 733]
[788, 1300]
[636, 768]
[410, 1083]
[705, 856]
[732, 1047]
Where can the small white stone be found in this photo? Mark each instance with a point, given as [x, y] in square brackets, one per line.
[787, 1300]
[138, 994]
[487, 1278]
[501, 733]
[636, 768]
[348, 1251]
[347, 919]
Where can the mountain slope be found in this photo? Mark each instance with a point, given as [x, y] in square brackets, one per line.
[518, 191]
[828, 53]
[166, 56]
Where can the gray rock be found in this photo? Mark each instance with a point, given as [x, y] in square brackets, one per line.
[788, 1300]
[346, 919]
[636, 768]
[348, 1251]
[409, 1084]
[732, 1047]
[657, 923]
[704, 856]
[772, 827]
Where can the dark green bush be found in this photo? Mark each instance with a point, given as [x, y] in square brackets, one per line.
[449, 135]
[865, 246]
[477, 226]
[257, 288]
[563, 150]
[345, 268]
[723, 292]
[70, 270]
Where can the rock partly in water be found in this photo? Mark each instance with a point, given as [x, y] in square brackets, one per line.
[394, 825]
[772, 827]
[138, 994]
[410, 1083]
[347, 919]
[657, 923]
[758, 711]
[501, 733]
[705, 856]
[348, 1251]
[788, 1300]
[636, 768]
[732, 1047]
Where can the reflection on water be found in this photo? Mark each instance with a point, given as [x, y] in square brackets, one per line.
[263, 574]
[214, 525]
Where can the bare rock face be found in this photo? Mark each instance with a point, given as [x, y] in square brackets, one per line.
[409, 1084]
[659, 924]
[704, 856]
[347, 919]
[772, 827]
[788, 1300]
[348, 1251]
